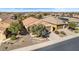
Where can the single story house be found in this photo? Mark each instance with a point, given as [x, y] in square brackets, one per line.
[75, 15]
[50, 22]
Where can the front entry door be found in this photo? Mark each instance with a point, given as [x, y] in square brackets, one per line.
[53, 28]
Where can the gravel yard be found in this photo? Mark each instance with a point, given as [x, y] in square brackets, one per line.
[21, 42]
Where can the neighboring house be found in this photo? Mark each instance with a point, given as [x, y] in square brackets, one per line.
[3, 27]
[50, 22]
[76, 15]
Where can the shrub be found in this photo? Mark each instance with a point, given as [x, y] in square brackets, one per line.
[56, 32]
[13, 37]
[6, 47]
[62, 33]
[38, 30]
[76, 31]
[72, 25]
[14, 28]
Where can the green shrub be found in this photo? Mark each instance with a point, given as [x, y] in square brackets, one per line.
[39, 30]
[13, 37]
[72, 25]
[63, 33]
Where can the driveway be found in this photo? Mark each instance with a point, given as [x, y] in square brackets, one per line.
[54, 36]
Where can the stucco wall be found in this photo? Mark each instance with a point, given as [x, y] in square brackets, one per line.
[2, 37]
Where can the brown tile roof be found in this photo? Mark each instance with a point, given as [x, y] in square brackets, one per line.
[29, 21]
[46, 21]
[42, 22]
[53, 20]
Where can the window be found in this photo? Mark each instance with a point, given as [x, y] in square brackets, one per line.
[59, 26]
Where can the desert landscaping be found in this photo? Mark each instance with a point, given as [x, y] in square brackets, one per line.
[19, 30]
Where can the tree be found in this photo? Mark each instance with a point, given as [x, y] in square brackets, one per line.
[14, 28]
[45, 14]
[18, 16]
[38, 30]
[39, 16]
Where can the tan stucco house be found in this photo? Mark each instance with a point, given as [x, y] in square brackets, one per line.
[55, 23]
[50, 22]
[3, 27]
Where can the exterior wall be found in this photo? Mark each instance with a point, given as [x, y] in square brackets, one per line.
[2, 37]
[57, 27]
[50, 27]
[60, 26]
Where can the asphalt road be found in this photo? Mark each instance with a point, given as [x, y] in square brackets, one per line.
[69, 45]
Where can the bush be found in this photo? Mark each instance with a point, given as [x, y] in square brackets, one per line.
[39, 16]
[56, 32]
[6, 47]
[72, 25]
[14, 28]
[13, 37]
[76, 31]
[39, 30]
[62, 33]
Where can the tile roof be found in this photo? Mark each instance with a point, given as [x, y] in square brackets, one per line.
[53, 20]
[46, 21]
[29, 21]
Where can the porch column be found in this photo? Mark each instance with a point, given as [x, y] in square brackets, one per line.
[51, 28]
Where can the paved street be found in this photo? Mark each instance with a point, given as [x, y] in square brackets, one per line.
[69, 45]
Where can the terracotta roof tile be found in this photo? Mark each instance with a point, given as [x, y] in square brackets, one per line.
[29, 21]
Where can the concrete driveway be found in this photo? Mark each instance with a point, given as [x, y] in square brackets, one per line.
[54, 36]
